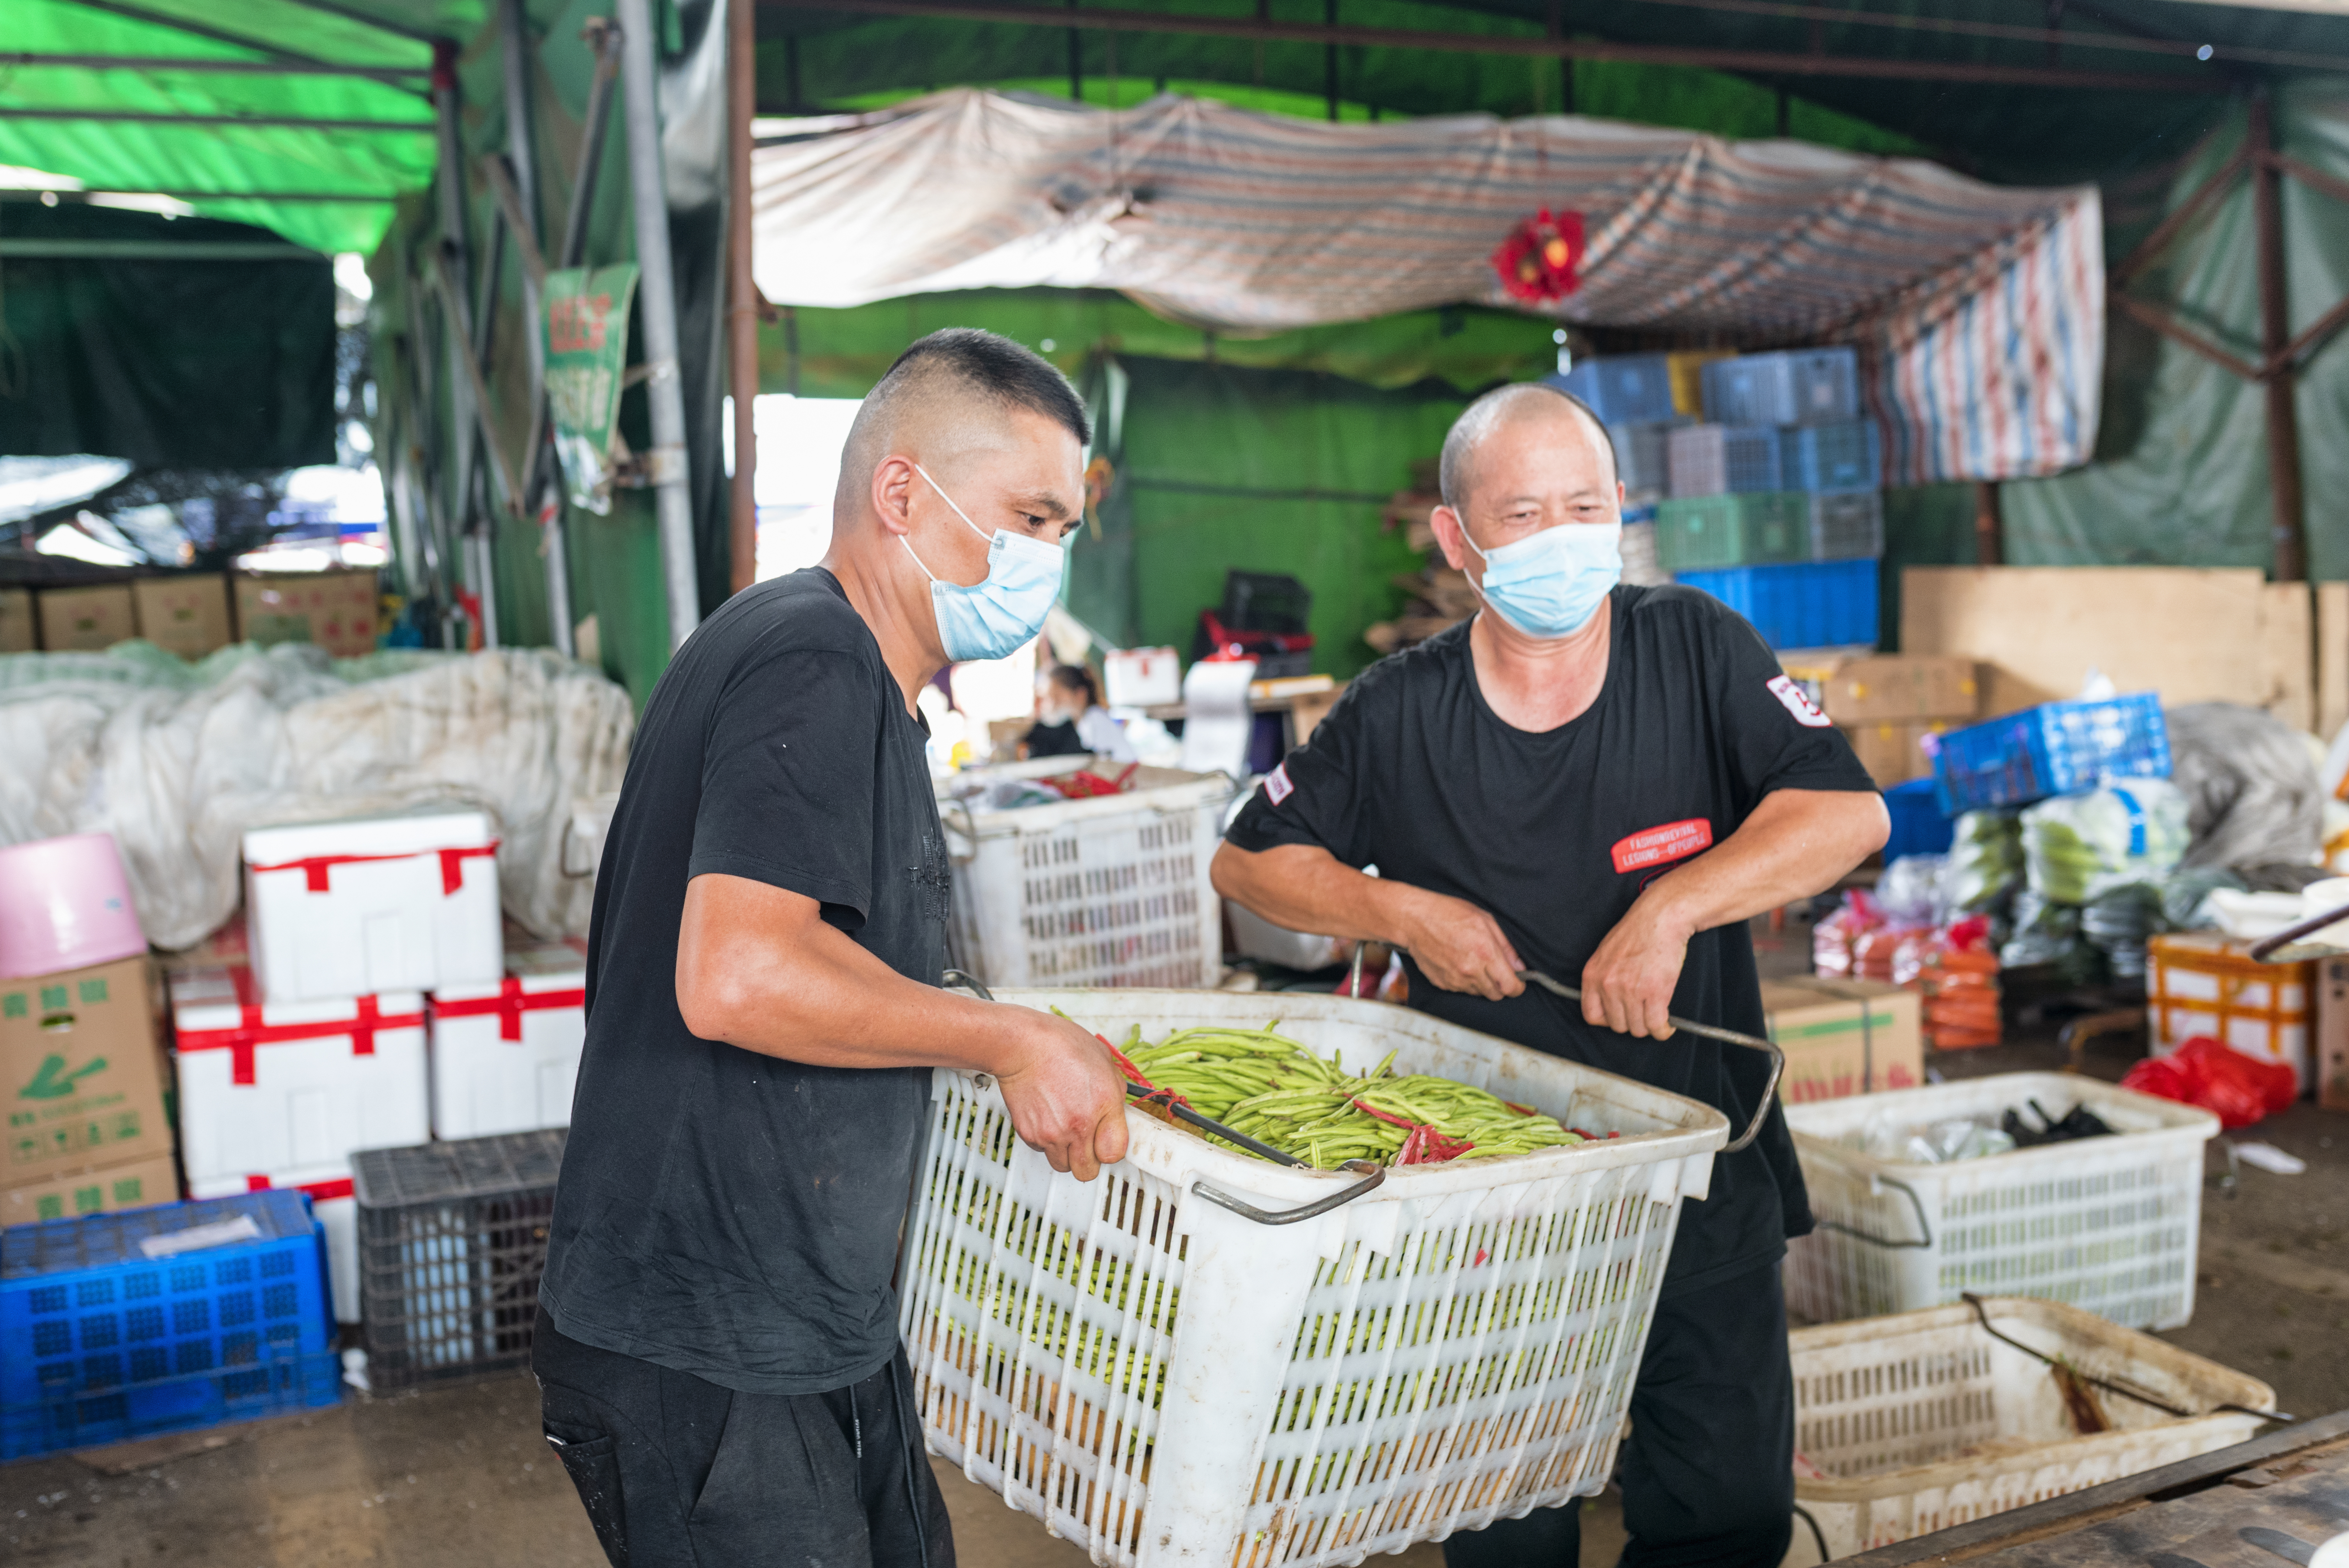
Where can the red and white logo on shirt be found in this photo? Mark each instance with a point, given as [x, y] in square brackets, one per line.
[1659, 846]
[1798, 702]
[1277, 786]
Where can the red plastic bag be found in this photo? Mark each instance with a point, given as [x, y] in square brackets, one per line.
[2239, 1089]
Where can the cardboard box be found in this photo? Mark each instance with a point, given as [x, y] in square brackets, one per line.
[2332, 1033]
[87, 620]
[1890, 688]
[81, 1071]
[1895, 753]
[17, 634]
[132, 1186]
[335, 610]
[184, 616]
[1844, 1037]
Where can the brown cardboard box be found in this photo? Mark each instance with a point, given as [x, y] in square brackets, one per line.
[75, 620]
[132, 1186]
[1844, 1037]
[2332, 1033]
[81, 1072]
[1881, 688]
[16, 633]
[184, 616]
[334, 610]
[1895, 753]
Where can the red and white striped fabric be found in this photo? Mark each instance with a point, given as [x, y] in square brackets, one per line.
[505, 1058]
[331, 1200]
[268, 1087]
[1979, 309]
[374, 904]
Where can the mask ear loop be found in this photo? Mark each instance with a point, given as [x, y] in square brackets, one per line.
[951, 507]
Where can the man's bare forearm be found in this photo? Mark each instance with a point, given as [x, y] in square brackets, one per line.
[1797, 842]
[1305, 887]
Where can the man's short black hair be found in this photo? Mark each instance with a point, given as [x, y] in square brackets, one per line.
[1009, 373]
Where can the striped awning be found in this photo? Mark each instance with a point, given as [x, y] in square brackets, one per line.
[1979, 309]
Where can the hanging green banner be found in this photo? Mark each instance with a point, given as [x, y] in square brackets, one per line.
[586, 325]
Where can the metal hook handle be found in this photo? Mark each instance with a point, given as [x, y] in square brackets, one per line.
[1708, 1031]
[954, 978]
[1915, 1202]
[1246, 1211]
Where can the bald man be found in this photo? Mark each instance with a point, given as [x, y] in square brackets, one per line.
[717, 1341]
[1603, 783]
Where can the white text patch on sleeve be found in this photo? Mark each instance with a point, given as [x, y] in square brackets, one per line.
[1277, 786]
[1798, 702]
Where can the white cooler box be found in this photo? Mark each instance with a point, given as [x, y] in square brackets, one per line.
[375, 904]
[505, 1058]
[277, 1086]
[337, 1212]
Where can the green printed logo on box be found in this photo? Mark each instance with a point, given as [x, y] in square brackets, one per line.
[53, 998]
[92, 992]
[13, 1006]
[53, 1082]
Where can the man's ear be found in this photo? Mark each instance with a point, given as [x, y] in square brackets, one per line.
[1449, 537]
[893, 493]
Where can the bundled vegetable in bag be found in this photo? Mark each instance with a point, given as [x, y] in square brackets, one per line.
[1986, 861]
[2075, 847]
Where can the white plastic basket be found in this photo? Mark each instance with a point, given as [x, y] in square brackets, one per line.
[1106, 892]
[1162, 1380]
[2110, 1225]
[1925, 1420]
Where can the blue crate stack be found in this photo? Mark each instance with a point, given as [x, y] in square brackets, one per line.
[162, 1319]
[2055, 749]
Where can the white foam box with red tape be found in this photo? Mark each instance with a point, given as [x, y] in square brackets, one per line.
[372, 905]
[337, 1212]
[271, 1087]
[505, 1056]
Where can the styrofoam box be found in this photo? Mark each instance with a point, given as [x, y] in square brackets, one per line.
[505, 1058]
[2111, 1224]
[1164, 1380]
[374, 904]
[1923, 1420]
[1141, 678]
[322, 1079]
[331, 1203]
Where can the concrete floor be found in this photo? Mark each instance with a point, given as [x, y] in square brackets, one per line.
[459, 1477]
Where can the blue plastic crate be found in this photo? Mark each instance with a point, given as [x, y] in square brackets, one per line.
[1846, 456]
[99, 1343]
[1919, 825]
[1623, 387]
[1723, 460]
[2055, 749]
[1794, 387]
[1808, 605]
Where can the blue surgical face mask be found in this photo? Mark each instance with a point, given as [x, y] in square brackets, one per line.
[991, 618]
[1550, 584]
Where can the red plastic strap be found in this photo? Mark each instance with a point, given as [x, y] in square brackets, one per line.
[509, 1004]
[314, 868]
[250, 1031]
[319, 1190]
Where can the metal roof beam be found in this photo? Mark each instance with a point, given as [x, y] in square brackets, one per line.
[392, 73]
[270, 122]
[1754, 61]
[159, 250]
[195, 29]
[81, 193]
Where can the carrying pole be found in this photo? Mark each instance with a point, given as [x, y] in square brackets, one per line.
[665, 463]
[742, 292]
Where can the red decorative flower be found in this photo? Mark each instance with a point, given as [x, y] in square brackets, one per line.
[1540, 261]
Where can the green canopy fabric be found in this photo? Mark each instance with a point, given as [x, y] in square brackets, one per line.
[294, 143]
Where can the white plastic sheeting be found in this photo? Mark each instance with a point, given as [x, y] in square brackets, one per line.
[178, 760]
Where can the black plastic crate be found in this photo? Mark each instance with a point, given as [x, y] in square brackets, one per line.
[452, 1241]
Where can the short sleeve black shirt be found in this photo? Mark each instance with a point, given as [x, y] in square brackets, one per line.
[1556, 833]
[723, 1213]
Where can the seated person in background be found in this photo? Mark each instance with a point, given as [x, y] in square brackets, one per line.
[1071, 719]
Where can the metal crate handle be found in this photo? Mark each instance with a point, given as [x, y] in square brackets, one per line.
[1915, 1202]
[1372, 1175]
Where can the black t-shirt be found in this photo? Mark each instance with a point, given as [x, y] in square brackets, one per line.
[1054, 739]
[1556, 833]
[722, 1212]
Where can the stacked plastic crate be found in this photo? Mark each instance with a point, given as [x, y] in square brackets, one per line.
[1640, 397]
[1775, 502]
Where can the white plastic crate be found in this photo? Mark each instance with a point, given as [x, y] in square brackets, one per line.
[2110, 1225]
[277, 1086]
[1722, 459]
[505, 1058]
[1925, 1420]
[1105, 891]
[336, 1212]
[1162, 1380]
[402, 902]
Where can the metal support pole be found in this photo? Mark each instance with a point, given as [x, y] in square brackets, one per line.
[2278, 378]
[1990, 526]
[457, 256]
[665, 464]
[742, 293]
[521, 153]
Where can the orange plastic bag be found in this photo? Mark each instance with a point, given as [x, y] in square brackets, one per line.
[1957, 974]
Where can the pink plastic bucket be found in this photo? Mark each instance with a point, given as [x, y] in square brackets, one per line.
[64, 905]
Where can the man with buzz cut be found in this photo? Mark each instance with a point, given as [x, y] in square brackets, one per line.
[1602, 783]
[716, 1340]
